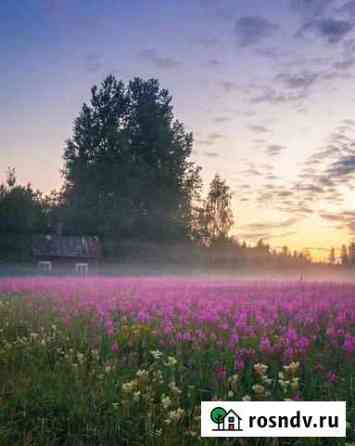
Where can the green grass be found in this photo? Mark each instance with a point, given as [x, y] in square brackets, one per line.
[63, 385]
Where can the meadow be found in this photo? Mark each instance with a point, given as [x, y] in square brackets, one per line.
[127, 361]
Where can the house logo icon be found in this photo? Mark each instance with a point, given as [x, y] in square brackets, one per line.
[226, 421]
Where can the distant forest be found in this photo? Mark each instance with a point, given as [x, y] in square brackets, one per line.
[129, 180]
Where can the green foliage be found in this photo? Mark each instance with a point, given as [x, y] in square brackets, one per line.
[127, 167]
[214, 218]
[22, 209]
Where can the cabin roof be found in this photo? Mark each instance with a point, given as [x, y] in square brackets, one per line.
[56, 246]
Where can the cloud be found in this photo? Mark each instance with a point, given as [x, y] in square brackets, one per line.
[332, 30]
[268, 53]
[274, 149]
[282, 224]
[221, 119]
[270, 96]
[264, 230]
[258, 129]
[159, 61]
[284, 193]
[252, 171]
[254, 235]
[211, 154]
[93, 62]
[345, 218]
[310, 8]
[215, 136]
[345, 64]
[251, 30]
[311, 188]
[214, 62]
[343, 167]
[348, 8]
[207, 42]
[210, 140]
[298, 81]
[204, 142]
[229, 86]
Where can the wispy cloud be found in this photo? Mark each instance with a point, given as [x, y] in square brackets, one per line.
[343, 167]
[211, 139]
[348, 8]
[298, 81]
[330, 29]
[270, 95]
[211, 154]
[159, 61]
[274, 149]
[310, 8]
[93, 62]
[345, 220]
[251, 30]
[258, 128]
[229, 86]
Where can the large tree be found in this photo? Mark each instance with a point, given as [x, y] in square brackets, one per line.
[127, 170]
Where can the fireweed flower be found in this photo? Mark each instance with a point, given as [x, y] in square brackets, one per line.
[114, 347]
[332, 377]
[349, 344]
[221, 373]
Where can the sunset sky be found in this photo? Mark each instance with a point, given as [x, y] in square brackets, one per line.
[267, 87]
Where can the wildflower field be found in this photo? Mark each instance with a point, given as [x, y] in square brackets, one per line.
[126, 361]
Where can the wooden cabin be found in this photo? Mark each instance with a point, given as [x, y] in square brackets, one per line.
[66, 252]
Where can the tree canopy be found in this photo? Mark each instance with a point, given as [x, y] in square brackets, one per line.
[127, 169]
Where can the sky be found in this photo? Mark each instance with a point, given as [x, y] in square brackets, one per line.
[267, 87]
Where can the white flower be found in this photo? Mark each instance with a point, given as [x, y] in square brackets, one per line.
[258, 389]
[233, 379]
[246, 398]
[292, 367]
[175, 415]
[173, 387]
[266, 380]
[166, 401]
[136, 395]
[171, 362]
[142, 373]
[156, 354]
[260, 369]
[129, 386]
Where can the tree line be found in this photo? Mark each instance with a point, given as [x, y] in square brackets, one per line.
[127, 175]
